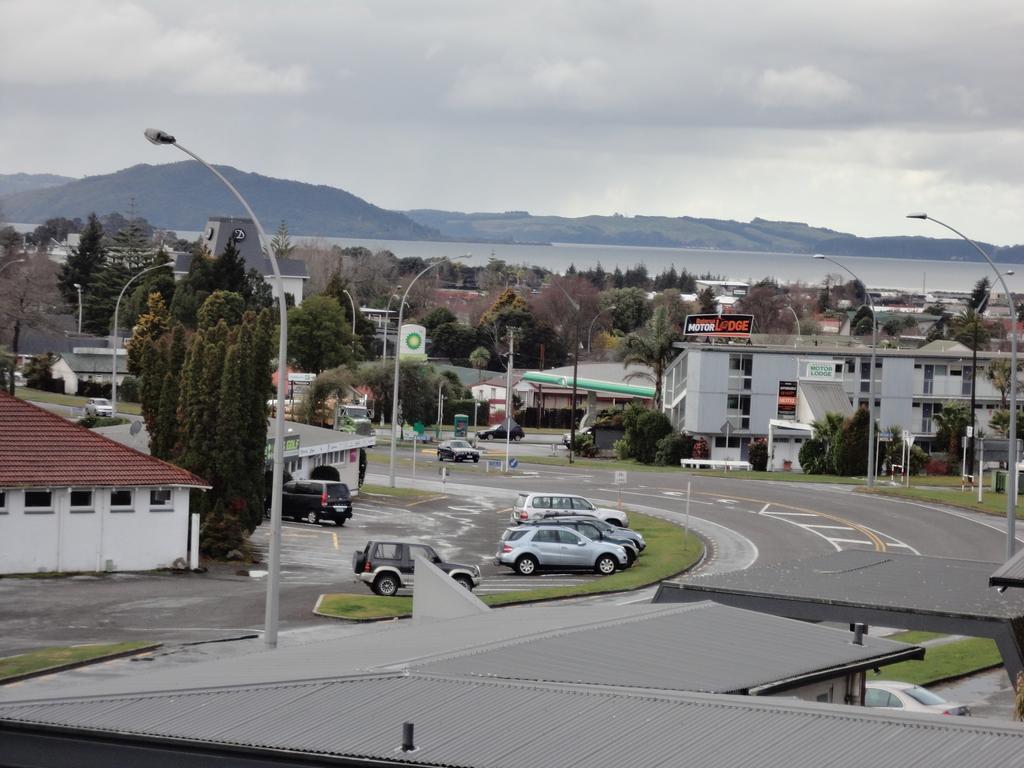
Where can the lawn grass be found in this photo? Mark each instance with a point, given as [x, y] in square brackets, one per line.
[41, 396]
[370, 489]
[56, 657]
[944, 662]
[670, 550]
[914, 637]
[992, 503]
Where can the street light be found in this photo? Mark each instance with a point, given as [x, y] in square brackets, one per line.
[113, 344]
[352, 302]
[871, 381]
[1011, 493]
[387, 326]
[274, 566]
[797, 319]
[575, 369]
[394, 389]
[590, 330]
[12, 261]
[78, 287]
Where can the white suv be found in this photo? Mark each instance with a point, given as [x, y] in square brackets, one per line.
[98, 406]
[534, 506]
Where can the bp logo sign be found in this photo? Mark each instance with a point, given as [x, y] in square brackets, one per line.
[413, 342]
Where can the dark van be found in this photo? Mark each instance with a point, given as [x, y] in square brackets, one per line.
[316, 500]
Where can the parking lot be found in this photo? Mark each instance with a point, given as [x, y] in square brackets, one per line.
[463, 530]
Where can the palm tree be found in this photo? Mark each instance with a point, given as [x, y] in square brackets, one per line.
[651, 345]
[998, 375]
[479, 358]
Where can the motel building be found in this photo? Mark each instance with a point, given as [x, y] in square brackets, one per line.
[731, 391]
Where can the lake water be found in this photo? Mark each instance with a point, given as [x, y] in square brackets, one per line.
[904, 274]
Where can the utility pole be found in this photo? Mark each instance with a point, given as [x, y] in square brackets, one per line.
[508, 395]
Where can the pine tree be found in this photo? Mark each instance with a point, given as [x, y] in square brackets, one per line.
[229, 270]
[151, 373]
[84, 262]
[168, 430]
[282, 245]
[149, 328]
[194, 288]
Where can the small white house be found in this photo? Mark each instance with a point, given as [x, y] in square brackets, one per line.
[88, 364]
[72, 500]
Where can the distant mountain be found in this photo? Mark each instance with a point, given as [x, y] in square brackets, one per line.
[11, 183]
[183, 195]
[758, 235]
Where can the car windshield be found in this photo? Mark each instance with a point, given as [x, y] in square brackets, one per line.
[459, 444]
[101, 401]
[924, 696]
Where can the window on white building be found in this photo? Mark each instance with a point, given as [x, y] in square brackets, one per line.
[3, 502]
[121, 500]
[81, 500]
[160, 500]
[38, 502]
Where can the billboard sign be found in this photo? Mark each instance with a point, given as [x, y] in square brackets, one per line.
[787, 399]
[821, 370]
[412, 342]
[718, 325]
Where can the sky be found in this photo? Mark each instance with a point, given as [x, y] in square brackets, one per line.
[841, 115]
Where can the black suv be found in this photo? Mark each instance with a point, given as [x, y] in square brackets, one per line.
[593, 529]
[387, 566]
[500, 432]
[316, 500]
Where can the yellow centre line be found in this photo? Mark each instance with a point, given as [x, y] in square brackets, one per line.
[335, 537]
[879, 544]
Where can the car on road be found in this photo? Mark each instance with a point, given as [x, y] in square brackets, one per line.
[535, 505]
[387, 566]
[501, 432]
[528, 549]
[98, 406]
[890, 694]
[457, 450]
[316, 501]
[595, 530]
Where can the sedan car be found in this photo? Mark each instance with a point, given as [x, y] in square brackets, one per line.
[457, 450]
[595, 530]
[98, 406]
[501, 432]
[889, 694]
[528, 549]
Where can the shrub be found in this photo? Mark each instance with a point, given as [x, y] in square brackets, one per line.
[934, 466]
[585, 446]
[814, 459]
[757, 454]
[700, 449]
[644, 428]
[128, 389]
[672, 448]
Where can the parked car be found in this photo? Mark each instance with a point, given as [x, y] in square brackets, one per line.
[617, 531]
[98, 406]
[595, 530]
[584, 432]
[316, 500]
[501, 432]
[387, 566]
[534, 506]
[457, 450]
[527, 549]
[888, 694]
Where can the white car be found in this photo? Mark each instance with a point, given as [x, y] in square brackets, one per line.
[98, 406]
[534, 506]
[889, 694]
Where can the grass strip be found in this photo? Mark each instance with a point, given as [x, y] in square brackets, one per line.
[670, 550]
[915, 637]
[42, 396]
[60, 657]
[946, 661]
[992, 503]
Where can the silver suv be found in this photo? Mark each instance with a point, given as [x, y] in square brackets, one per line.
[534, 506]
[527, 549]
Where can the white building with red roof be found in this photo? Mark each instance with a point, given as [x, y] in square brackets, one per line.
[73, 500]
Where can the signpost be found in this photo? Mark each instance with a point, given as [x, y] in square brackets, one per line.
[620, 480]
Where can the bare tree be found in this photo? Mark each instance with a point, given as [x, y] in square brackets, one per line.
[28, 297]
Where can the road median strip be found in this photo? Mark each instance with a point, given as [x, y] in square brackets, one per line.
[45, 661]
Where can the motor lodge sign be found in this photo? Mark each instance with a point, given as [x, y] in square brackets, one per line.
[718, 325]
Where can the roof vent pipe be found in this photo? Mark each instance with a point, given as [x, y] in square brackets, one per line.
[408, 744]
[859, 630]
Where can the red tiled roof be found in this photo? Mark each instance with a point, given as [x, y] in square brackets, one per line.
[39, 448]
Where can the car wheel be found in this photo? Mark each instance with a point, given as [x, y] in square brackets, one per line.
[476, 459]
[385, 585]
[606, 565]
[630, 557]
[526, 565]
[312, 517]
[464, 581]
[439, 456]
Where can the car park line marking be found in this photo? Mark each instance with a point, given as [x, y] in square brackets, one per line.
[335, 537]
[424, 501]
[874, 538]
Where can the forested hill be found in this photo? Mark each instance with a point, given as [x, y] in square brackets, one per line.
[690, 232]
[182, 196]
[23, 182]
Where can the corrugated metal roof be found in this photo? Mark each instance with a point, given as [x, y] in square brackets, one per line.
[706, 647]
[825, 397]
[461, 722]
[41, 449]
[913, 583]
[93, 363]
[1010, 573]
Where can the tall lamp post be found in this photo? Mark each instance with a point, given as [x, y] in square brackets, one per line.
[78, 287]
[274, 565]
[12, 261]
[1011, 493]
[353, 303]
[590, 330]
[387, 325]
[394, 389]
[871, 380]
[575, 369]
[797, 319]
[114, 337]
